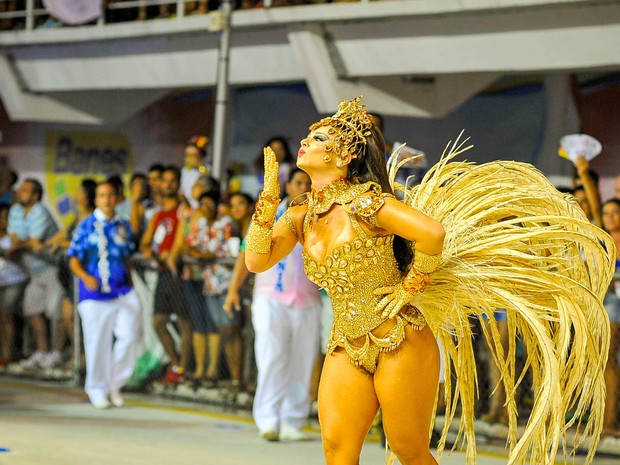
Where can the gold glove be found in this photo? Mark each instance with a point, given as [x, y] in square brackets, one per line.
[258, 238]
[271, 187]
[261, 228]
[413, 284]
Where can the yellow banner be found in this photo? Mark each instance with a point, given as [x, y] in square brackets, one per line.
[72, 156]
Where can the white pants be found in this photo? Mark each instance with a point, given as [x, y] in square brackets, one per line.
[286, 346]
[112, 331]
[327, 320]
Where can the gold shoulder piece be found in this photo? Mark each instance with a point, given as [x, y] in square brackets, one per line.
[367, 203]
[288, 221]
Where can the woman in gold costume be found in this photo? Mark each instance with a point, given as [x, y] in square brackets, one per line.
[481, 237]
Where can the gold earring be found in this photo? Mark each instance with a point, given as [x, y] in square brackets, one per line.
[338, 163]
[327, 158]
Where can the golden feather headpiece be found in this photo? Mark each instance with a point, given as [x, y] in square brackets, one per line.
[353, 124]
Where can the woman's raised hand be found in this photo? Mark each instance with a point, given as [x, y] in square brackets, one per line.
[271, 186]
[259, 234]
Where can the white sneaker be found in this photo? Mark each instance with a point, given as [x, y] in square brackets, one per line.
[288, 433]
[100, 404]
[34, 361]
[116, 399]
[52, 359]
[269, 435]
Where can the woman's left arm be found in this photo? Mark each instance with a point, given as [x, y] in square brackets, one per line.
[281, 242]
[428, 235]
[413, 225]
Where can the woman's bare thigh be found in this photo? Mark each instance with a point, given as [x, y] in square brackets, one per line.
[406, 382]
[347, 406]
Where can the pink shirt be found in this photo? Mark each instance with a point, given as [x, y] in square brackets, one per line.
[287, 283]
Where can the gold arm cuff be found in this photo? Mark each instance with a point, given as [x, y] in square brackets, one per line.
[258, 238]
[426, 263]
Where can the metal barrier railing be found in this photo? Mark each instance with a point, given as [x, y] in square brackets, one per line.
[139, 267]
[138, 264]
[31, 14]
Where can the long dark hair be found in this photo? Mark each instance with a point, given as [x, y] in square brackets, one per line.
[614, 200]
[259, 161]
[370, 165]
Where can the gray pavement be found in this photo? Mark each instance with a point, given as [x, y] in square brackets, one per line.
[47, 424]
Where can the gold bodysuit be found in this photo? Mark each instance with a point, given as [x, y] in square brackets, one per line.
[349, 275]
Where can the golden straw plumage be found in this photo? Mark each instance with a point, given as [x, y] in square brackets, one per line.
[515, 242]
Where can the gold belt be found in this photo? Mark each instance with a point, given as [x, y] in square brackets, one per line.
[364, 351]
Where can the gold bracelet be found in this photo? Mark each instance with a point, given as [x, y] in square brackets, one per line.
[425, 263]
[415, 282]
[265, 210]
[258, 238]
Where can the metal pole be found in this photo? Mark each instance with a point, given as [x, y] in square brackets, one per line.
[77, 335]
[221, 97]
[29, 15]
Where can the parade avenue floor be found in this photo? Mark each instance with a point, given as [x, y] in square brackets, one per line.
[50, 424]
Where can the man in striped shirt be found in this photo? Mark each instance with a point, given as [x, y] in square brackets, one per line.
[30, 225]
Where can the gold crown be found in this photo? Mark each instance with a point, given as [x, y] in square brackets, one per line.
[353, 123]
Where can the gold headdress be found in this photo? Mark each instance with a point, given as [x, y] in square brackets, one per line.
[353, 124]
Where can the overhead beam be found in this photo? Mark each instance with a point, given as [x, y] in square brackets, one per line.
[327, 78]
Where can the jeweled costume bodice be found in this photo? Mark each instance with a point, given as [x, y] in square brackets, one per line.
[351, 273]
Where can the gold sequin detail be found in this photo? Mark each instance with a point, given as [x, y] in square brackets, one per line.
[342, 192]
[363, 200]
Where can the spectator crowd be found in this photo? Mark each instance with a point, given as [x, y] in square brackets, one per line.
[158, 257]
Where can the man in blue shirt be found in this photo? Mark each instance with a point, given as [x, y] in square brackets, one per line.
[108, 305]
